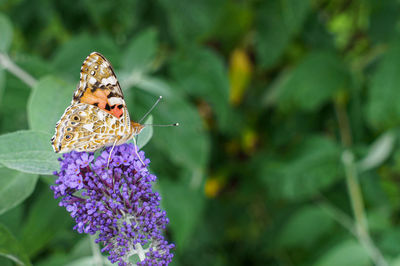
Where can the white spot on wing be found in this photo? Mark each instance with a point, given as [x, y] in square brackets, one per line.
[88, 127]
[92, 80]
[116, 100]
[101, 115]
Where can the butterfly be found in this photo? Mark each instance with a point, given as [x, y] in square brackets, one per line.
[98, 116]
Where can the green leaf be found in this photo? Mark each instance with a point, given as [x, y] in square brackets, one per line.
[192, 21]
[382, 20]
[277, 22]
[15, 187]
[69, 58]
[314, 167]
[184, 206]
[6, 31]
[305, 227]
[28, 151]
[347, 253]
[383, 110]
[200, 72]
[89, 261]
[2, 83]
[11, 249]
[186, 145]
[48, 100]
[379, 151]
[44, 222]
[141, 52]
[313, 82]
[13, 104]
[145, 136]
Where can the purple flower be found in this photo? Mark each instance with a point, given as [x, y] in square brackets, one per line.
[116, 202]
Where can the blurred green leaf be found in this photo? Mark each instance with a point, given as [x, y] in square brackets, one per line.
[141, 52]
[184, 206]
[48, 100]
[388, 240]
[313, 168]
[313, 82]
[11, 249]
[28, 151]
[13, 114]
[192, 21]
[305, 227]
[88, 261]
[2, 83]
[277, 22]
[347, 253]
[378, 152]
[13, 218]
[186, 145]
[44, 221]
[383, 110]
[69, 58]
[15, 187]
[383, 18]
[201, 72]
[6, 31]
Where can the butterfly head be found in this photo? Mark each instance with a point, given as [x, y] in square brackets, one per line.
[136, 128]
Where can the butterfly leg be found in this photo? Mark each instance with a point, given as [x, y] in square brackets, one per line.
[109, 156]
[136, 151]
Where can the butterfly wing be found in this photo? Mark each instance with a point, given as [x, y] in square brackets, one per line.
[83, 127]
[99, 86]
[97, 116]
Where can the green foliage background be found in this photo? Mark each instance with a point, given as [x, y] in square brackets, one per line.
[287, 153]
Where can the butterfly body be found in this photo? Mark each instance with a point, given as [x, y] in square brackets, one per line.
[98, 116]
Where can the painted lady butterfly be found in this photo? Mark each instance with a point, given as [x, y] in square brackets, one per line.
[97, 116]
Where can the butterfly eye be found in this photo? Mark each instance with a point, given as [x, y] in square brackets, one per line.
[68, 137]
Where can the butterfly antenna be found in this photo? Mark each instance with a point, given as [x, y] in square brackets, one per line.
[151, 109]
[169, 125]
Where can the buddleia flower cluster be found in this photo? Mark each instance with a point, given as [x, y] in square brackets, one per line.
[116, 202]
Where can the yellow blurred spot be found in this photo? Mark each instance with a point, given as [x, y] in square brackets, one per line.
[212, 187]
[240, 70]
[249, 141]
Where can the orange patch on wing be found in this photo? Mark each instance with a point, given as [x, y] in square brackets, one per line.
[99, 97]
[116, 111]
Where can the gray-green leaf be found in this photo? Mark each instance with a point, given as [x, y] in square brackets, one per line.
[28, 151]
[6, 31]
[47, 102]
[15, 187]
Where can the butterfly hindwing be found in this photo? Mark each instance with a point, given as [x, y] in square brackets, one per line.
[83, 128]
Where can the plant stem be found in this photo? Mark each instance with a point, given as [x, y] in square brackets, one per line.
[8, 64]
[354, 189]
[357, 203]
